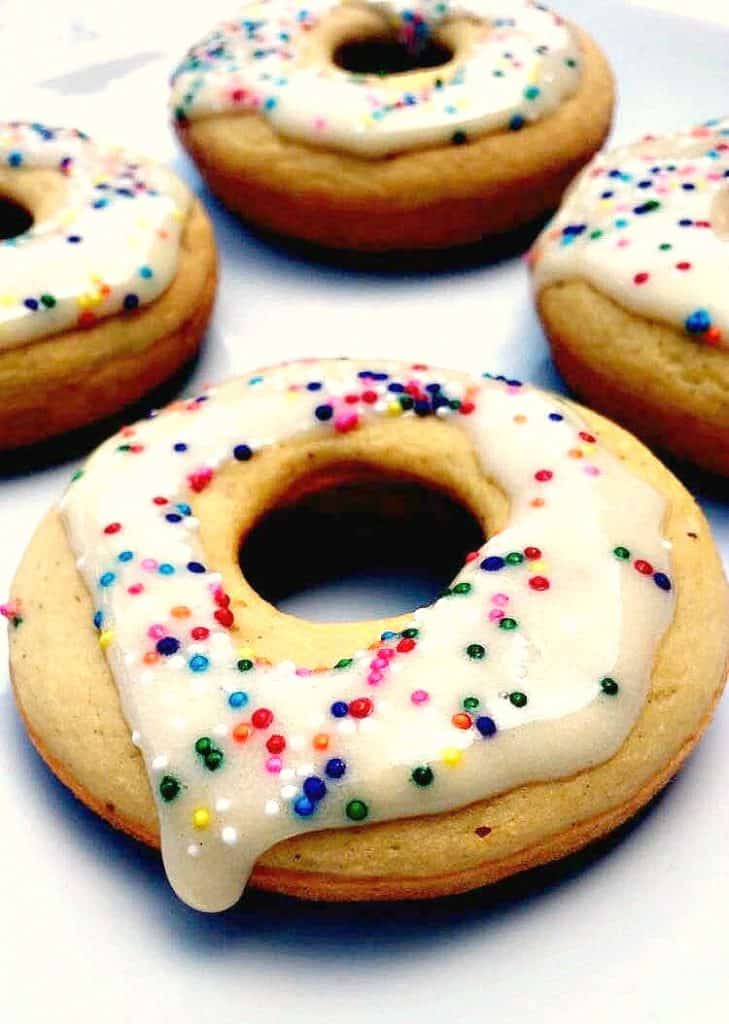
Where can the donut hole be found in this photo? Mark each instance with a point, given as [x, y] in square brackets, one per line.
[15, 219]
[359, 550]
[387, 56]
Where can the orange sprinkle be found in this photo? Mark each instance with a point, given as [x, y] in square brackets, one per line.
[180, 611]
[575, 453]
[150, 657]
[537, 502]
[321, 741]
[242, 731]
[462, 721]
[712, 336]
[520, 418]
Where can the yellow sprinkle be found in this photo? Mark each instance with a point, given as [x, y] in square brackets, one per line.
[7, 300]
[394, 409]
[245, 652]
[105, 638]
[201, 817]
[451, 756]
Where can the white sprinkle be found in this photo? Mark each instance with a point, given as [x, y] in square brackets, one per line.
[272, 807]
[194, 850]
[346, 726]
[222, 804]
[229, 835]
[305, 769]
[220, 730]
[288, 792]
[297, 743]
[160, 762]
[286, 774]
[136, 737]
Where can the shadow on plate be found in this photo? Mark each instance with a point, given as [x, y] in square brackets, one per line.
[281, 925]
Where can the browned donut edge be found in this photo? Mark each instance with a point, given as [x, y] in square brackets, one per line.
[75, 378]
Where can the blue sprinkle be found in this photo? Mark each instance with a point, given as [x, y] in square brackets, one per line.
[698, 322]
[314, 788]
[98, 619]
[335, 768]
[195, 567]
[146, 272]
[173, 517]
[184, 508]
[388, 635]
[125, 556]
[339, 709]
[557, 417]
[107, 579]
[166, 569]
[198, 663]
[485, 725]
[242, 452]
[304, 807]
[15, 158]
[661, 580]
[238, 699]
[493, 563]
[167, 646]
[180, 446]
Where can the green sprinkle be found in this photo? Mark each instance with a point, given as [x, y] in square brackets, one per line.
[508, 624]
[597, 233]
[462, 588]
[48, 301]
[344, 663]
[470, 703]
[609, 686]
[410, 634]
[245, 665]
[357, 810]
[203, 746]
[518, 699]
[476, 651]
[621, 553]
[214, 759]
[422, 776]
[169, 788]
[77, 475]
[514, 558]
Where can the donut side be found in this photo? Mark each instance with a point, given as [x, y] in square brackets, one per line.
[430, 198]
[70, 380]
[74, 719]
[669, 389]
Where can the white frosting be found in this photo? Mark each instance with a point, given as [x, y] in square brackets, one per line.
[109, 243]
[518, 61]
[648, 225]
[578, 614]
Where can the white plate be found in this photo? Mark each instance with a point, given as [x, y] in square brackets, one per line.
[633, 931]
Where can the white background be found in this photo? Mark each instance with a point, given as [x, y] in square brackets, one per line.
[633, 931]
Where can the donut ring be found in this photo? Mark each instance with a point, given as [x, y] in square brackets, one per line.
[106, 293]
[367, 162]
[631, 288]
[542, 753]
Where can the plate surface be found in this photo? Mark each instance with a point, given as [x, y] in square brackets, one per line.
[632, 931]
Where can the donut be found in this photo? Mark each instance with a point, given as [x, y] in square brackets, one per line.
[630, 280]
[108, 272]
[548, 692]
[383, 125]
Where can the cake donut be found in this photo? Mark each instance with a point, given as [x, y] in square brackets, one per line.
[630, 280]
[553, 687]
[107, 271]
[376, 124]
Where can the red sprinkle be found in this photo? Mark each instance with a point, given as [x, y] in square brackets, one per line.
[262, 718]
[199, 633]
[275, 744]
[112, 528]
[466, 408]
[224, 616]
[645, 568]
[543, 475]
[539, 583]
[641, 278]
[405, 645]
[361, 707]
[533, 553]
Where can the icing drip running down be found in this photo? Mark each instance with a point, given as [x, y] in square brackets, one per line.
[648, 225]
[533, 665]
[514, 62]
[107, 241]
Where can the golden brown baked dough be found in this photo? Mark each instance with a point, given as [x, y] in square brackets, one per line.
[69, 701]
[430, 198]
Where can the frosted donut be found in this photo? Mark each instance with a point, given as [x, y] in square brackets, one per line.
[556, 684]
[630, 281]
[383, 125]
[107, 278]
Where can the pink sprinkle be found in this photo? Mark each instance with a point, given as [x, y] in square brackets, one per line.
[156, 631]
[274, 765]
[150, 564]
[319, 124]
[420, 696]
[386, 653]
[472, 556]
[136, 588]
[346, 421]
[495, 614]
[622, 243]
[592, 471]
[303, 671]
[378, 664]
[374, 678]
[500, 599]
